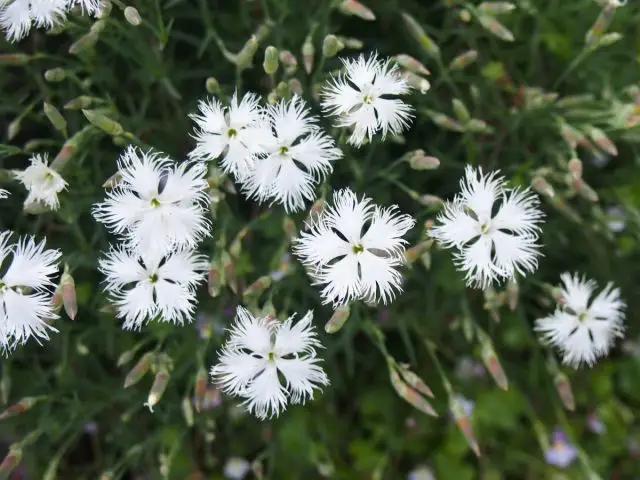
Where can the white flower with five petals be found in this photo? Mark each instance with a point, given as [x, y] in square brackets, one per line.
[25, 290]
[235, 133]
[353, 248]
[492, 246]
[42, 182]
[365, 98]
[157, 205]
[148, 286]
[583, 327]
[294, 158]
[259, 351]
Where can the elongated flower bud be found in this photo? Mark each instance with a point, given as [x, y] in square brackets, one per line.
[430, 200]
[139, 370]
[14, 59]
[187, 411]
[85, 42]
[461, 111]
[464, 423]
[415, 381]
[492, 363]
[540, 185]
[11, 461]
[126, 356]
[601, 140]
[575, 168]
[270, 63]
[446, 122]
[463, 60]
[496, 28]
[496, 8]
[561, 381]
[512, 294]
[244, 58]
[411, 64]
[418, 33]
[338, 319]
[79, 103]
[289, 61]
[413, 253]
[56, 118]
[308, 54]
[200, 388]
[160, 382]
[257, 287]
[228, 269]
[295, 86]
[214, 278]
[410, 395]
[22, 406]
[68, 288]
[419, 161]
[601, 24]
[357, 9]
[416, 81]
[104, 123]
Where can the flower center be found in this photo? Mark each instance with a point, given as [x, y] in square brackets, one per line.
[368, 99]
[582, 316]
[271, 356]
[485, 227]
[232, 132]
[284, 150]
[357, 248]
[153, 278]
[155, 203]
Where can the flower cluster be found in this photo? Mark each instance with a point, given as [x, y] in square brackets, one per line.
[158, 210]
[18, 16]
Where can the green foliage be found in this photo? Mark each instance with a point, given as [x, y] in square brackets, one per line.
[138, 83]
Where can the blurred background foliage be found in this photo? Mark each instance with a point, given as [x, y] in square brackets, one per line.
[542, 76]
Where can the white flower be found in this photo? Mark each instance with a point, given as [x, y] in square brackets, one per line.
[235, 132]
[25, 297]
[492, 246]
[583, 330]
[42, 182]
[353, 249]
[147, 286]
[364, 98]
[3, 193]
[296, 156]
[17, 16]
[92, 7]
[157, 204]
[258, 351]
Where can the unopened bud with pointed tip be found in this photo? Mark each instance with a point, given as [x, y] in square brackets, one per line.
[416, 81]
[79, 103]
[244, 58]
[464, 423]
[575, 168]
[338, 319]
[22, 406]
[103, 122]
[418, 33]
[68, 288]
[540, 185]
[602, 140]
[14, 128]
[415, 381]
[461, 111]
[289, 61]
[11, 461]
[411, 64]
[215, 279]
[463, 60]
[139, 370]
[563, 387]
[200, 388]
[295, 86]
[160, 382]
[413, 253]
[56, 118]
[257, 287]
[491, 361]
[308, 54]
[496, 8]
[408, 394]
[357, 9]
